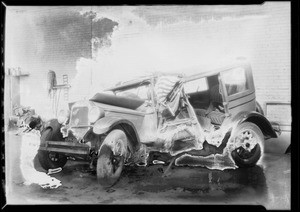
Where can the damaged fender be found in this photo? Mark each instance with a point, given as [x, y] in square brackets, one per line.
[258, 119]
[106, 124]
[53, 124]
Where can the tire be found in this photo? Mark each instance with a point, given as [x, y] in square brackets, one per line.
[50, 160]
[242, 156]
[110, 164]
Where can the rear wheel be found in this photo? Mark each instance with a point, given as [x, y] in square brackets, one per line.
[50, 160]
[249, 140]
[111, 158]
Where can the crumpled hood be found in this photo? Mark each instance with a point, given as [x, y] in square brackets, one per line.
[119, 101]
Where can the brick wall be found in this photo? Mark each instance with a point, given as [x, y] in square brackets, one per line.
[272, 62]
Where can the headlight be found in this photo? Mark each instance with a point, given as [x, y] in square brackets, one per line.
[63, 116]
[95, 113]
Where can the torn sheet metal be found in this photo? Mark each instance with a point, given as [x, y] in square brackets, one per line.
[218, 161]
[73, 132]
[215, 137]
[168, 90]
[179, 133]
[29, 149]
[179, 136]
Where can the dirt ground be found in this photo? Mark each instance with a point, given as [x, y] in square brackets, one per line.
[267, 184]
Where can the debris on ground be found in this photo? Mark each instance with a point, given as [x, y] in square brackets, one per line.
[54, 171]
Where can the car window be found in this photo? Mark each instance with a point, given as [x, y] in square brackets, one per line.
[138, 92]
[196, 85]
[235, 81]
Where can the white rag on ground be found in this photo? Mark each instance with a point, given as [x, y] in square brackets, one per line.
[29, 149]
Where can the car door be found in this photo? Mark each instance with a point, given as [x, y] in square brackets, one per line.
[238, 89]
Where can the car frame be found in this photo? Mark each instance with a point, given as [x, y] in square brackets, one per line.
[113, 130]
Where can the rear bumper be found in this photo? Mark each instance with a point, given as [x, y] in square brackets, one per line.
[69, 148]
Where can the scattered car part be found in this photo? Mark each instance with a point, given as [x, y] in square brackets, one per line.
[54, 171]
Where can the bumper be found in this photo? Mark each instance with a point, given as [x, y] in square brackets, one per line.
[66, 147]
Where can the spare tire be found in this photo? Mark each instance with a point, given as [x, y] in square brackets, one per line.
[50, 160]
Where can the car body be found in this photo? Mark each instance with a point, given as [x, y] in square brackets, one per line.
[136, 115]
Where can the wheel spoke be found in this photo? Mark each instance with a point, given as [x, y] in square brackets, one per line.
[54, 157]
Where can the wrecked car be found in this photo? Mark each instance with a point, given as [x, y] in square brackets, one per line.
[161, 117]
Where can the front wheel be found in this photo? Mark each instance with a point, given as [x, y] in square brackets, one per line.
[249, 140]
[111, 158]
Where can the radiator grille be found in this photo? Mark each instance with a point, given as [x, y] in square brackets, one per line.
[79, 116]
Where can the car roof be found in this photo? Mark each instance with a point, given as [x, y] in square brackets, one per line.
[211, 72]
[203, 73]
[138, 81]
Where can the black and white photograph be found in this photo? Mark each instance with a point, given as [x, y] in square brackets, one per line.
[148, 104]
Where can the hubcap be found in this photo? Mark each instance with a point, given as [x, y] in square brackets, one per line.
[53, 156]
[245, 143]
[247, 140]
[115, 162]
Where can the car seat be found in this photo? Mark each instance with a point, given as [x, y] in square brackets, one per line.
[215, 96]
